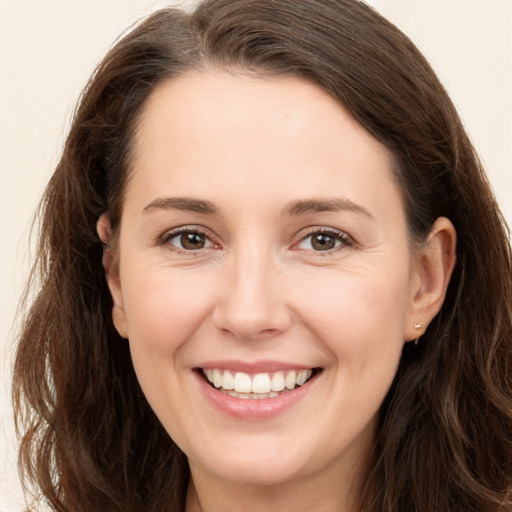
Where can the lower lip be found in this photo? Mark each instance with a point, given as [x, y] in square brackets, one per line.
[254, 409]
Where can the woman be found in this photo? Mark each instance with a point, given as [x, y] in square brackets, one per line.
[273, 277]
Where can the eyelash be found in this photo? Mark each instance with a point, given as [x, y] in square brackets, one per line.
[339, 236]
[166, 238]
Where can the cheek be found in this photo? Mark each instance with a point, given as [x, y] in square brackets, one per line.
[356, 300]
[360, 317]
[163, 311]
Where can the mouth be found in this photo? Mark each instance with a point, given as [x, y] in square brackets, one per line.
[257, 386]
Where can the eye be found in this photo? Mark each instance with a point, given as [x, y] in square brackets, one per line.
[188, 240]
[324, 240]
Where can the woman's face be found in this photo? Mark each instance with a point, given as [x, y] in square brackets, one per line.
[263, 244]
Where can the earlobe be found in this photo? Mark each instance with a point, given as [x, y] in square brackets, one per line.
[434, 265]
[111, 269]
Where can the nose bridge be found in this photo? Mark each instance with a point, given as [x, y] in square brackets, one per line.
[252, 302]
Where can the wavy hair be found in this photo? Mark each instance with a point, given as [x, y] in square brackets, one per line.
[90, 440]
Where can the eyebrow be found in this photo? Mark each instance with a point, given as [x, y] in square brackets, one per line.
[324, 205]
[295, 208]
[182, 203]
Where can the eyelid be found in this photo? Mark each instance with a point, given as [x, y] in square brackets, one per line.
[168, 235]
[345, 239]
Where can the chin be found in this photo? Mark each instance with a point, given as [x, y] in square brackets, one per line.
[254, 464]
[258, 473]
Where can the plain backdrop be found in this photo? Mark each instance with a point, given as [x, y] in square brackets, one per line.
[49, 48]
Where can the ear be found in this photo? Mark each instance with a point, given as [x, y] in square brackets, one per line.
[111, 268]
[434, 263]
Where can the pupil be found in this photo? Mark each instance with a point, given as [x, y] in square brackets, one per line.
[323, 242]
[192, 241]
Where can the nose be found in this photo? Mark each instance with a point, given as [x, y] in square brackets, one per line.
[252, 304]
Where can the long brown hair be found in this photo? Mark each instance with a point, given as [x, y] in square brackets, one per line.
[90, 440]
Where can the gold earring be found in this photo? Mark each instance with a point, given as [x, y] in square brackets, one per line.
[419, 327]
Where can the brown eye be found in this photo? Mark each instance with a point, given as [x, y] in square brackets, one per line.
[192, 241]
[323, 242]
[189, 240]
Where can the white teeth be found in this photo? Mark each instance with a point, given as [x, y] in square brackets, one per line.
[228, 381]
[289, 382]
[278, 381]
[260, 385]
[242, 382]
[302, 377]
[307, 374]
[217, 378]
[253, 396]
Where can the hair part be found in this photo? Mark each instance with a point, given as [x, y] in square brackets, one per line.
[90, 440]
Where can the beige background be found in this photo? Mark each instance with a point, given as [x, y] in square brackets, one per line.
[48, 49]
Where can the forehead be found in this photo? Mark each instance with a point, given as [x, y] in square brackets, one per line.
[207, 133]
[205, 105]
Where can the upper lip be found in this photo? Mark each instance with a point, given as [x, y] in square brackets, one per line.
[263, 366]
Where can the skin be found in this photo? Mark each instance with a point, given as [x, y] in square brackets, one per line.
[259, 290]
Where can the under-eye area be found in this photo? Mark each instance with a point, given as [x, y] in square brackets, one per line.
[259, 385]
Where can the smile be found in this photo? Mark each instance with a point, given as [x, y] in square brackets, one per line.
[258, 386]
